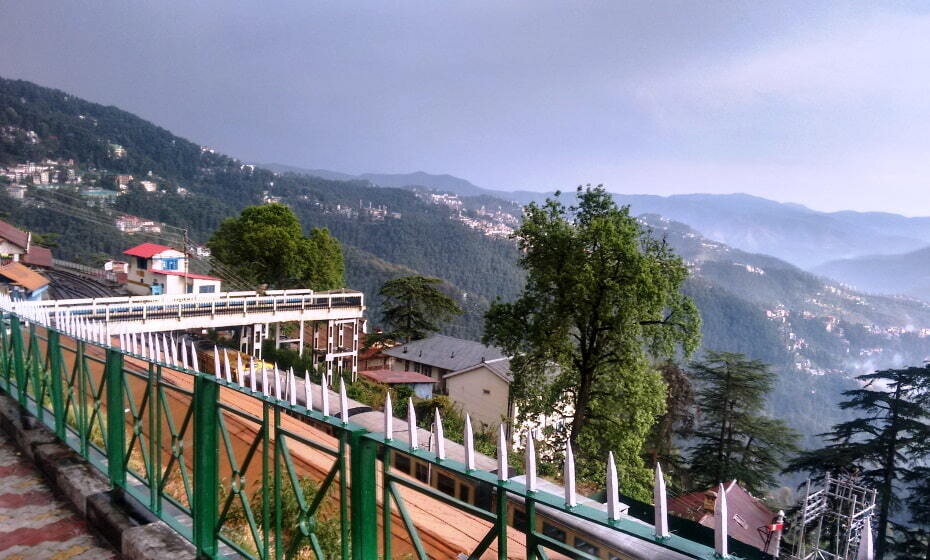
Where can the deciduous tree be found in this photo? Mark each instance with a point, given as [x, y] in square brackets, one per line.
[602, 297]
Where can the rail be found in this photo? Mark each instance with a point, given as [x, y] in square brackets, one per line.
[246, 473]
[85, 270]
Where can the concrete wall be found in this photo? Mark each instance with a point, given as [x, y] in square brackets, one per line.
[481, 393]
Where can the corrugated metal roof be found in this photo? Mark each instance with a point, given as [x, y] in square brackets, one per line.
[390, 376]
[147, 250]
[445, 352]
[22, 276]
[38, 256]
[747, 513]
[13, 234]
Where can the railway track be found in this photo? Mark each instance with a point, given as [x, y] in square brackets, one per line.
[71, 285]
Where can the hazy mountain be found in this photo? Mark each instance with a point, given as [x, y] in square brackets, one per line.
[907, 273]
[443, 183]
[791, 232]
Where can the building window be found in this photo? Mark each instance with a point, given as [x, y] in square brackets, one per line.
[465, 493]
[402, 463]
[422, 473]
[142, 264]
[169, 264]
[208, 289]
[553, 532]
[585, 546]
[445, 484]
[427, 370]
[519, 518]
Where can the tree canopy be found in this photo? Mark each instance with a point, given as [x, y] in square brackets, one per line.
[733, 440]
[884, 444]
[266, 245]
[602, 297]
[414, 306]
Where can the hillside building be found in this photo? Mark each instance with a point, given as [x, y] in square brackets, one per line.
[157, 269]
[16, 246]
[22, 283]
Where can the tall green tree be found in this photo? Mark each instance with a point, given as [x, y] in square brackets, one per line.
[602, 297]
[676, 422]
[881, 445]
[733, 439]
[266, 245]
[414, 307]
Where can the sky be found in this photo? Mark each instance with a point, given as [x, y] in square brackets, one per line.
[823, 104]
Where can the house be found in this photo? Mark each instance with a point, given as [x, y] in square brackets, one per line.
[16, 246]
[16, 191]
[421, 385]
[122, 182]
[157, 269]
[751, 521]
[149, 186]
[22, 283]
[439, 355]
[483, 390]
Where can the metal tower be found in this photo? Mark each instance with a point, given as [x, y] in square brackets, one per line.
[831, 520]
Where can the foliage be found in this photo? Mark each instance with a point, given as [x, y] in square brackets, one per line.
[883, 442]
[266, 244]
[601, 295]
[676, 422]
[734, 441]
[414, 306]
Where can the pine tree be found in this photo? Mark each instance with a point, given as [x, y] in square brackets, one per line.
[414, 306]
[882, 444]
[735, 441]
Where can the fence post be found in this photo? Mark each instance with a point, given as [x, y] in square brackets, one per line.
[206, 466]
[55, 363]
[19, 365]
[116, 423]
[363, 493]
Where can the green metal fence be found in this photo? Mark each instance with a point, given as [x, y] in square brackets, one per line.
[239, 473]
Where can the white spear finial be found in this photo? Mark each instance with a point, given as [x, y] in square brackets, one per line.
[217, 372]
[240, 373]
[469, 444]
[531, 484]
[122, 341]
[388, 417]
[613, 489]
[866, 549]
[720, 523]
[440, 436]
[184, 361]
[307, 392]
[661, 505]
[194, 358]
[166, 350]
[292, 387]
[227, 366]
[325, 397]
[253, 377]
[502, 465]
[571, 497]
[412, 424]
[265, 388]
[277, 382]
[343, 401]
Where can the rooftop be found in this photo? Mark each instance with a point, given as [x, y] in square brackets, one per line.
[191, 275]
[445, 352]
[38, 256]
[13, 234]
[22, 276]
[747, 513]
[147, 250]
[391, 377]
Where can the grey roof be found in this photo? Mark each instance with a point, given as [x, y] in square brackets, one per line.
[445, 352]
[500, 367]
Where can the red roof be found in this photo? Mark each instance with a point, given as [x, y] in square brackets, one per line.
[13, 234]
[186, 275]
[38, 256]
[747, 513]
[147, 250]
[391, 377]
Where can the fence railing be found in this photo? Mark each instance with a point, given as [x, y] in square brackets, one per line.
[243, 471]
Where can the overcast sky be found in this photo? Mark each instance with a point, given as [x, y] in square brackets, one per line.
[826, 105]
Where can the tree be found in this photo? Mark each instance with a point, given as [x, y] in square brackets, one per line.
[601, 296]
[734, 441]
[266, 244]
[677, 421]
[882, 443]
[414, 306]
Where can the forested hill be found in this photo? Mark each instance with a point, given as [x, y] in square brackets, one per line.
[384, 231]
[814, 331]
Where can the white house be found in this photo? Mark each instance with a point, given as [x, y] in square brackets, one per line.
[157, 269]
